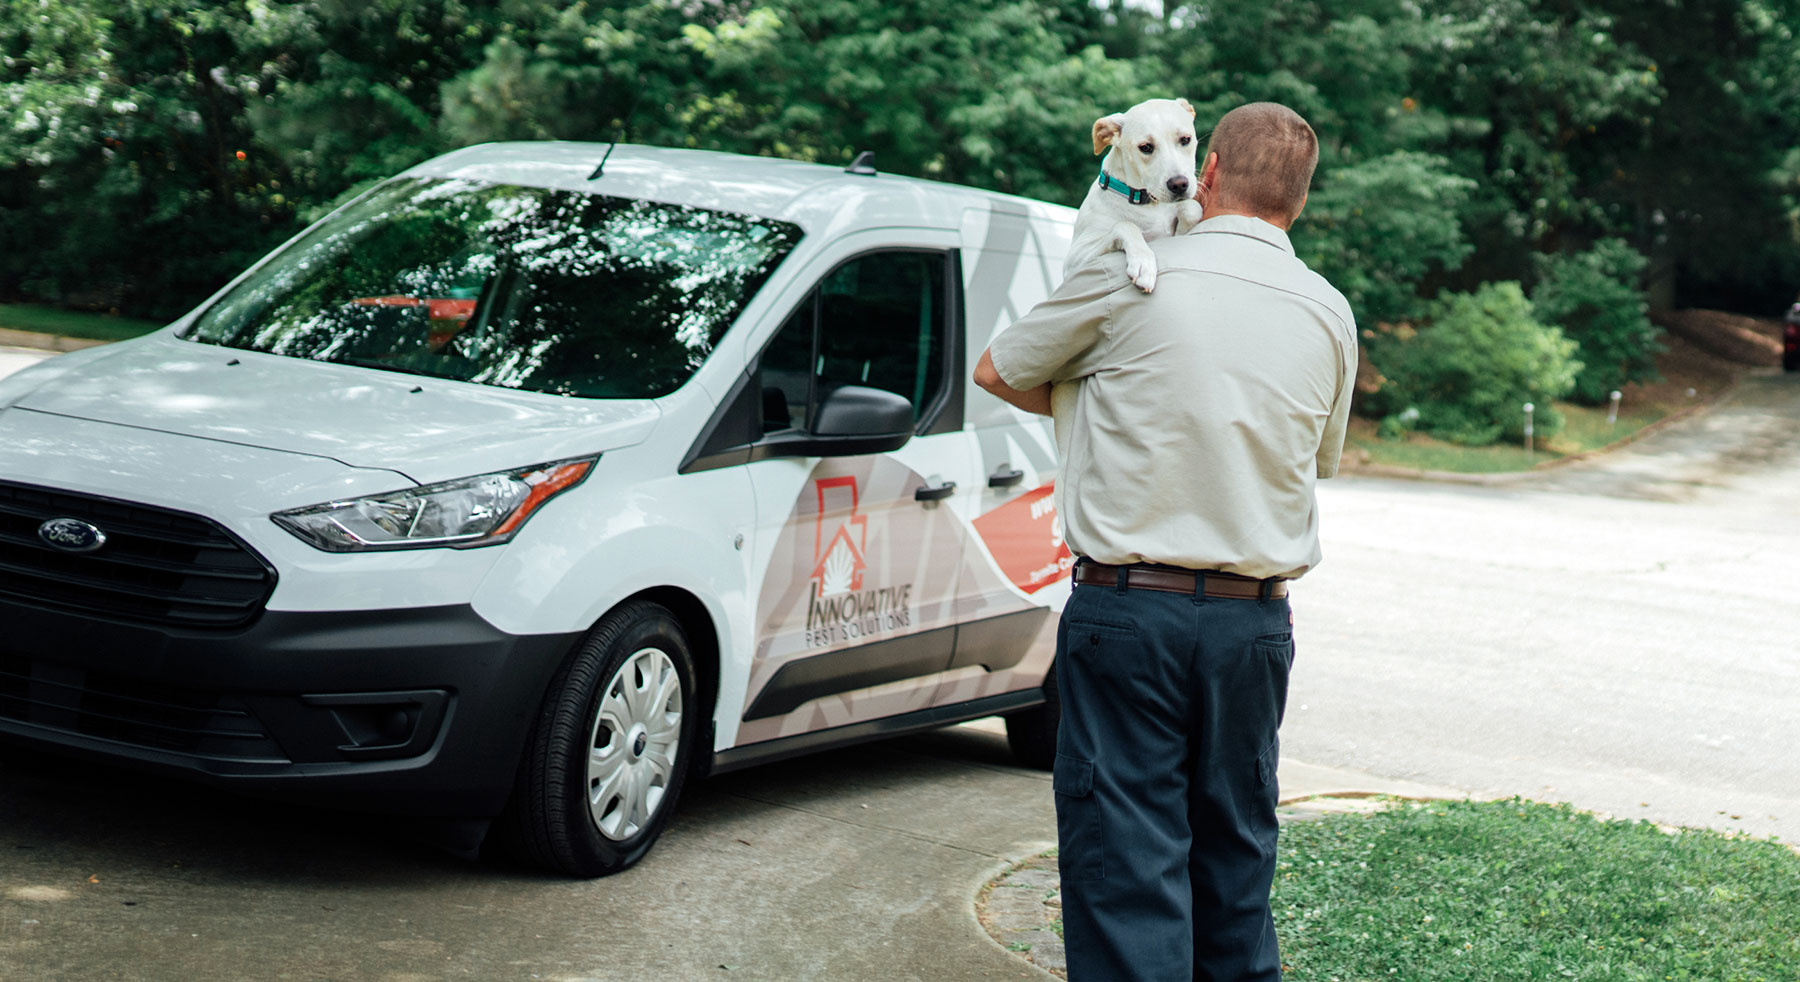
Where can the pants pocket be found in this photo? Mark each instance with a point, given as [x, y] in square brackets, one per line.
[1080, 845]
[1262, 817]
[1266, 764]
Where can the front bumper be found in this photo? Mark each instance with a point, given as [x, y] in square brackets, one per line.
[421, 711]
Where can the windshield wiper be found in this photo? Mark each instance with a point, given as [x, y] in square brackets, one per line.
[385, 366]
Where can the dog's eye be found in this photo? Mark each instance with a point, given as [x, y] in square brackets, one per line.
[1186, 140]
[1147, 147]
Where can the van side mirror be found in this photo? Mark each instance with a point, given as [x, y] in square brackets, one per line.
[858, 410]
[853, 419]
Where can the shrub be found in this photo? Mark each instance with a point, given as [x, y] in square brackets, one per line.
[1478, 358]
[1594, 297]
[1376, 228]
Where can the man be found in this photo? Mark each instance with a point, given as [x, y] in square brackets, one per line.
[1206, 411]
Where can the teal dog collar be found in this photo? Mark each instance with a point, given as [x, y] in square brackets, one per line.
[1137, 196]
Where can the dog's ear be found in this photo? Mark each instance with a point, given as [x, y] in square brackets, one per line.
[1183, 103]
[1106, 130]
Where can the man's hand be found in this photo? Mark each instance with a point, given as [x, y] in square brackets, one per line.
[1031, 400]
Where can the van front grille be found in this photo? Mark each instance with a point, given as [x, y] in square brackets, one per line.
[157, 566]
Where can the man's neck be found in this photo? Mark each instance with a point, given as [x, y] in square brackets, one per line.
[1219, 211]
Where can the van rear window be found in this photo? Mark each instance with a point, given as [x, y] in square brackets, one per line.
[526, 288]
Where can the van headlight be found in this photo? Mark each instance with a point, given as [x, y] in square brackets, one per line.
[469, 511]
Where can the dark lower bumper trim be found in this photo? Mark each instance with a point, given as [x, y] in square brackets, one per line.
[419, 711]
[772, 750]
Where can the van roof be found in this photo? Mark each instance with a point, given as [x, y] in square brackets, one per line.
[813, 196]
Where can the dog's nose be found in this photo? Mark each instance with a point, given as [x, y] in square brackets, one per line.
[1178, 186]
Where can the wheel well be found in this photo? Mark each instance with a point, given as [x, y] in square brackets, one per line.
[704, 637]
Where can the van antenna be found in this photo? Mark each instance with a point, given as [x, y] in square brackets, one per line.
[600, 169]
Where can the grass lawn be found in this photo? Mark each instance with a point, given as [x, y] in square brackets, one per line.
[1584, 429]
[72, 323]
[1515, 890]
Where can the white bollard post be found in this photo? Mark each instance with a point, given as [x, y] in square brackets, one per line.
[1612, 412]
[1528, 449]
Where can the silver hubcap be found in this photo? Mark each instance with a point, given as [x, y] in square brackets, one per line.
[634, 742]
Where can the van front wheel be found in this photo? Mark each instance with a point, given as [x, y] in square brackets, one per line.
[611, 747]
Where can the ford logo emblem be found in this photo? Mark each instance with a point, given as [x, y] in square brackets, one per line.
[71, 535]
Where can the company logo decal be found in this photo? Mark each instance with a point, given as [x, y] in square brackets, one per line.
[838, 562]
[840, 608]
[71, 535]
[1025, 538]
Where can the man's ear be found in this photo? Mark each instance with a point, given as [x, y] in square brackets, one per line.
[1106, 130]
[1208, 188]
[1183, 103]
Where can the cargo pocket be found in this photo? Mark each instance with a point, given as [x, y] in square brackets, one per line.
[1081, 852]
[1266, 764]
[1268, 791]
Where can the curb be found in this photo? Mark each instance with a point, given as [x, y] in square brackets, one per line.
[14, 338]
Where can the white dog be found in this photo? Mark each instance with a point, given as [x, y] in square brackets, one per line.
[1145, 189]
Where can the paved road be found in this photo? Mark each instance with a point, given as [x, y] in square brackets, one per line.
[13, 359]
[1621, 633]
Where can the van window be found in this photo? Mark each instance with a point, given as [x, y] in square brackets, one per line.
[526, 288]
[878, 321]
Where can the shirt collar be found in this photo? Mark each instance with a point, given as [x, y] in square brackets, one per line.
[1245, 225]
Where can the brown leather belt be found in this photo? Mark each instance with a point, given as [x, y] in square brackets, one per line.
[1171, 580]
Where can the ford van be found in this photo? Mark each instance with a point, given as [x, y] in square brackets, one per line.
[526, 488]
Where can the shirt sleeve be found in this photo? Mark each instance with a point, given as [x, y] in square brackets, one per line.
[1064, 336]
[1331, 443]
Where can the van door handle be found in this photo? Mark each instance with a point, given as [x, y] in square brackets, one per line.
[1005, 477]
[926, 492]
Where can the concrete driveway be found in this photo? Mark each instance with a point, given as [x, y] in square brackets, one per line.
[860, 864]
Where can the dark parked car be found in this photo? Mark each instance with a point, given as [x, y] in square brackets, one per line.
[1790, 338]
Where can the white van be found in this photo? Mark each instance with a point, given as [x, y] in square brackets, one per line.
[525, 487]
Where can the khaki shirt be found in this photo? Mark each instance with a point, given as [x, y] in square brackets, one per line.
[1205, 410]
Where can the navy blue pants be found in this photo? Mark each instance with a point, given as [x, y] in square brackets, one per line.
[1165, 783]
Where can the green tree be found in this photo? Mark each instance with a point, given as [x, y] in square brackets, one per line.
[148, 149]
[985, 92]
[1547, 110]
[349, 93]
[1379, 227]
[128, 176]
[152, 148]
[1702, 193]
[1595, 298]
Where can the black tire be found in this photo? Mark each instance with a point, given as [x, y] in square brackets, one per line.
[1031, 733]
[550, 821]
[1790, 361]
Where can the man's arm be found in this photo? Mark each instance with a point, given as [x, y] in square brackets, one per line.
[1060, 338]
[1031, 400]
[1331, 443]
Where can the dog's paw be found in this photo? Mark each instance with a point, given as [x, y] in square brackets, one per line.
[1142, 270]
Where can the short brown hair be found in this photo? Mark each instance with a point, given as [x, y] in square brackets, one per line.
[1266, 158]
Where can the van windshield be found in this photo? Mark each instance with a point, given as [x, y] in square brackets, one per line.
[525, 288]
